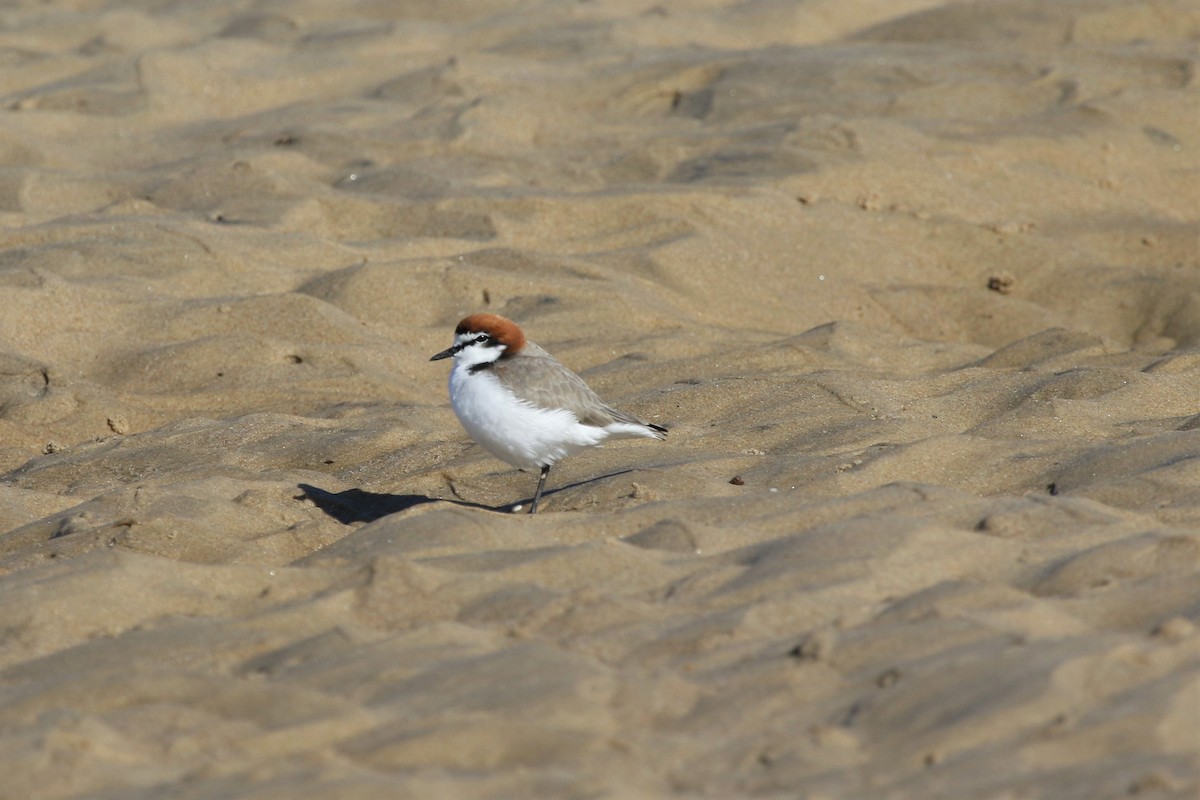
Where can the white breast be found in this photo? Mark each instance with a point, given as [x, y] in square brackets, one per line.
[514, 431]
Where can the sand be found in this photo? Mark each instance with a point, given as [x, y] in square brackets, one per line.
[914, 285]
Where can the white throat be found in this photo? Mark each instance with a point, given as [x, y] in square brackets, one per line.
[475, 353]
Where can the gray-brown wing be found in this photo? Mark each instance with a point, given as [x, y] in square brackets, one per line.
[539, 379]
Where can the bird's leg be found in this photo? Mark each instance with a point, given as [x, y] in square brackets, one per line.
[538, 494]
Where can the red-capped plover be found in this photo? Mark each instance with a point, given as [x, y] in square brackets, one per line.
[523, 406]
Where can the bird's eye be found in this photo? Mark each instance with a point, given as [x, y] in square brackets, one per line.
[483, 337]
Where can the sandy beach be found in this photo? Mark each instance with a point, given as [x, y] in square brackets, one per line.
[914, 285]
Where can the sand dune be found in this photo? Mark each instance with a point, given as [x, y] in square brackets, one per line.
[915, 287]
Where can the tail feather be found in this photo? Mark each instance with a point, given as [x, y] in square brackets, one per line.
[627, 425]
[635, 429]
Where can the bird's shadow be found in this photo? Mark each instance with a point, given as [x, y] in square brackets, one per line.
[356, 505]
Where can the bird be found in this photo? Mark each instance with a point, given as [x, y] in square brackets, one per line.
[523, 406]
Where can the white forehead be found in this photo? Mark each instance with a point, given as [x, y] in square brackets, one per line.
[470, 336]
